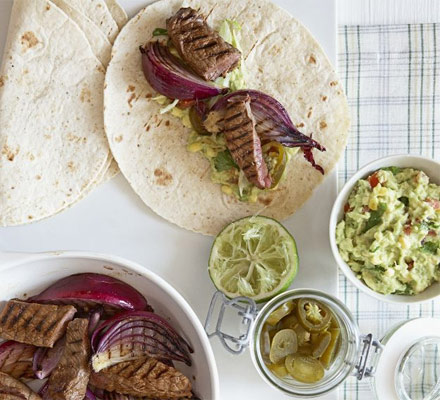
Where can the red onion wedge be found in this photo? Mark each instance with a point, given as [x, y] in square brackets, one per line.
[273, 123]
[16, 359]
[87, 291]
[131, 335]
[46, 359]
[94, 319]
[43, 390]
[171, 77]
[89, 395]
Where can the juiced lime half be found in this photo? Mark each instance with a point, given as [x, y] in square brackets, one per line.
[254, 257]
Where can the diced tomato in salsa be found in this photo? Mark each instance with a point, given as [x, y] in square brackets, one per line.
[347, 208]
[407, 229]
[374, 180]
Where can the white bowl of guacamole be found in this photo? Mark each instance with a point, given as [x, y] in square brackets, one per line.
[385, 229]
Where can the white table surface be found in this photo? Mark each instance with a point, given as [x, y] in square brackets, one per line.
[112, 219]
[179, 256]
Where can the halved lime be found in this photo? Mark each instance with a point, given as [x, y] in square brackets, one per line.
[254, 257]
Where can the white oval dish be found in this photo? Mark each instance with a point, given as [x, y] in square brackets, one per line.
[23, 275]
[432, 169]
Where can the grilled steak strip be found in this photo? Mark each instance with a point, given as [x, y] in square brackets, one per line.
[12, 389]
[37, 324]
[69, 379]
[16, 359]
[201, 47]
[145, 377]
[244, 144]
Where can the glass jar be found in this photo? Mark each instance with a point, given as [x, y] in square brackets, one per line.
[347, 357]
[401, 357]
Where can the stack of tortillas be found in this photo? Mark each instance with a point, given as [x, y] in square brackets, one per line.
[53, 144]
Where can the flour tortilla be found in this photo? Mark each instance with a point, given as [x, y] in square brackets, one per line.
[282, 59]
[52, 140]
[99, 13]
[101, 46]
[117, 12]
[120, 17]
[102, 49]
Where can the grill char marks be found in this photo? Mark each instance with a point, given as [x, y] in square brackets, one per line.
[145, 377]
[243, 142]
[200, 46]
[69, 379]
[37, 324]
[12, 389]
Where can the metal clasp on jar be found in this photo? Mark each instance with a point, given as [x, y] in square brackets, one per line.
[361, 369]
[246, 309]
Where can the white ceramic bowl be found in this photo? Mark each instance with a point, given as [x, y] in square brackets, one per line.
[24, 275]
[432, 169]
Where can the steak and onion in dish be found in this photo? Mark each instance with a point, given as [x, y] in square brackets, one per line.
[90, 336]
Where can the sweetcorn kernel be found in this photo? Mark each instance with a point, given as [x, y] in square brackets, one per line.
[226, 189]
[402, 242]
[194, 147]
[210, 153]
[372, 204]
[382, 191]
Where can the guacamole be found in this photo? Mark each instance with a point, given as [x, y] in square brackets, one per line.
[390, 232]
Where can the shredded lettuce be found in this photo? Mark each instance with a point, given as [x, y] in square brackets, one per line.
[230, 31]
[169, 107]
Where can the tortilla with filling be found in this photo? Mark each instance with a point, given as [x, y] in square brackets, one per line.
[282, 59]
[52, 140]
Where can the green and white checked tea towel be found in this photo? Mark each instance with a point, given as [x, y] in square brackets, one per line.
[391, 75]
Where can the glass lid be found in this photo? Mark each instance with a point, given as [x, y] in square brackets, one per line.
[409, 366]
[418, 374]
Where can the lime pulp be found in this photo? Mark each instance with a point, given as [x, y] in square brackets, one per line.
[254, 257]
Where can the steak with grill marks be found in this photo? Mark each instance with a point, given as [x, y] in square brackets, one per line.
[145, 377]
[70, 378]
[37, 324]
[202, 48]
[16, 359]
[12, 389]
[244, 144]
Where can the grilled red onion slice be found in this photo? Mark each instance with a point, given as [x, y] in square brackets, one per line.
[43, 390]
[46, 359]
[170, 77]
[94, 319]
[87, 291]
[131, 335]
[273, 123]
[16, 359]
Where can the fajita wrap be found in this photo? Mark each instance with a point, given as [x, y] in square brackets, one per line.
[282, 59]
